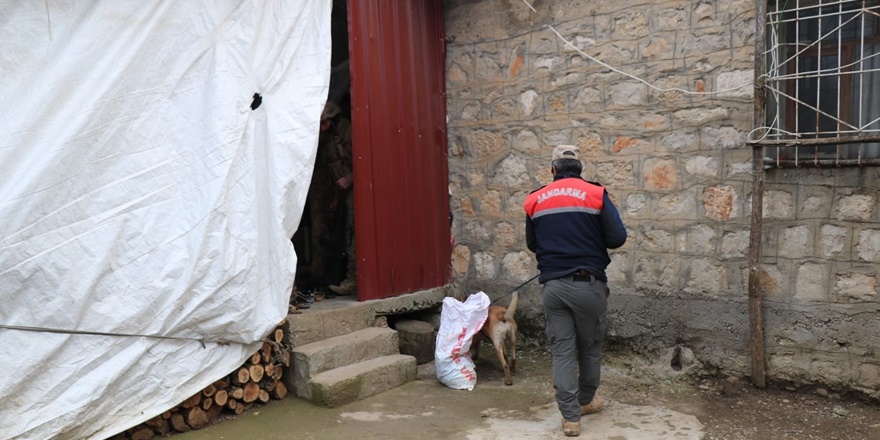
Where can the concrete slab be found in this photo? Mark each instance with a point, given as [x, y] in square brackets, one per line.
[411, 302]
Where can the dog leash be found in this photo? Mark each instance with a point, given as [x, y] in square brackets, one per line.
[523, 284]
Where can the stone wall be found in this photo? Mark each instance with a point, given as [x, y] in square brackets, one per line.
[677, 167]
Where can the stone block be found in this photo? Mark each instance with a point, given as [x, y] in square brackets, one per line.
[622, 143]
[660, 174]
[481, 144]
[670, 17]
[632, 24]
[505, 235]
[797, 242]
[618, 269]
[734, 245]
[484, 265]
[322, 324]
[681, 205]
[354, 382]
[657, 47]
[699, 117]
[488, 67]
[312, 359]
[778, 205]
[628, 94]
[615, 173]
[812, 282]
[721, 202]
[490, 204]
[471, 111]
[518, 266]
[868, 245]
[528, 101]
[476, 232]
[869, 379]
[704, 166]
[723, 137]
[815, 202]
[704, 277]
[833, 241]
[588, 99]
[770, 278]
[655, 272]
[416, 339]
[512, 172]
[681, 141]
[636, 206]
[858, 207]
[590, 143]
[731, 84]
[527, 142]
[656, 240]
[855, 287]
[461, 259]
[700, 240]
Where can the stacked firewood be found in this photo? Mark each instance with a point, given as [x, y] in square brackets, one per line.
[257, 381]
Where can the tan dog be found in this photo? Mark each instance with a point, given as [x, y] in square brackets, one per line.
[500, 328]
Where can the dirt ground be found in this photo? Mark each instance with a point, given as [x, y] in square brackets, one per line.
[643, 396]
[732, 409]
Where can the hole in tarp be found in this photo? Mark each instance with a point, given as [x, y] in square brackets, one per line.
[257, 101]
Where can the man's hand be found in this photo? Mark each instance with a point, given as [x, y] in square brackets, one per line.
[344, 182]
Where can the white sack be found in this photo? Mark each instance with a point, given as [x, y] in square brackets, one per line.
[459, 322]
[140, 194]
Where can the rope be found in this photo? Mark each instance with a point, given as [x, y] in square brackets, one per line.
[85, 332]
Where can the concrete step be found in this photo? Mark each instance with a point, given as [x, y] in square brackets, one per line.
[327, 319]
[317, 357]
[361, 380]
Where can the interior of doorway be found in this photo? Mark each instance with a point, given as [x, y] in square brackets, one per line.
[335, 258]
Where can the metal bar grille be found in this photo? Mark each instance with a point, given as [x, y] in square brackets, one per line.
[822, 83]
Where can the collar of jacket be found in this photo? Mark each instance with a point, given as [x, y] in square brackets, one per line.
[566, 176]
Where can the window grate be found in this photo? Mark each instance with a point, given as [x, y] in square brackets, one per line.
[822, 83]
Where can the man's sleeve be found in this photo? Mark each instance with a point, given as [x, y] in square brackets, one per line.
[531, 242]
[612, 227]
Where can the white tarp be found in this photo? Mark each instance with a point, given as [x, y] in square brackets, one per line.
[140, 194]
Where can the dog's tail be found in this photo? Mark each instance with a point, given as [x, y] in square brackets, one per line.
[511, 308]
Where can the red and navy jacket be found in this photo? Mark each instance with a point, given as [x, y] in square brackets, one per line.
[570, 225]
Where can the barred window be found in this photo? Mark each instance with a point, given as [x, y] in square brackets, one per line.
[822, 83]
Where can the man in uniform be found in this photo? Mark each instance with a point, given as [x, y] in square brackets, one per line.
[339, 159]
[570, 224]
[331, 179]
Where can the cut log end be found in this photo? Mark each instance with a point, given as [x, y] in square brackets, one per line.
[280, 391]
[197, 418]
[263, 396]
[221, 397]
[251, 392]
[242, 376]
[178, 423]
[256, 372]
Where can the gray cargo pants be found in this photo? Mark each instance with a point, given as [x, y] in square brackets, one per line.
[575, 309]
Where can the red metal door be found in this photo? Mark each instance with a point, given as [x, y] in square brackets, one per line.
[397, 56]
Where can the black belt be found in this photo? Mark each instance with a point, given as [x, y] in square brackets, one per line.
[582, 275]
